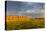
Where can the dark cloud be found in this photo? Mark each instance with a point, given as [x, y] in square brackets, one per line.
[33, 9]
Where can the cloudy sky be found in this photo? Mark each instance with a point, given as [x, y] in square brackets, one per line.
[32, 9]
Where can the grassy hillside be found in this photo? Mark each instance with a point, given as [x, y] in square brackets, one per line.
[24, 23]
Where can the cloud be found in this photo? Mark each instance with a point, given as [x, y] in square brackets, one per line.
[25, 9]
[33, 13]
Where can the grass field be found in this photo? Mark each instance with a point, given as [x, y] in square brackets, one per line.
[24, 23]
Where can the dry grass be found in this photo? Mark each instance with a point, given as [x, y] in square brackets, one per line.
[25, 23]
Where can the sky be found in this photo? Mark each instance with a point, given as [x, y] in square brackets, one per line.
[33, 9]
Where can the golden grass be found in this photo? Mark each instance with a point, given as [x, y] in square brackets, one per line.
[22, 22]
